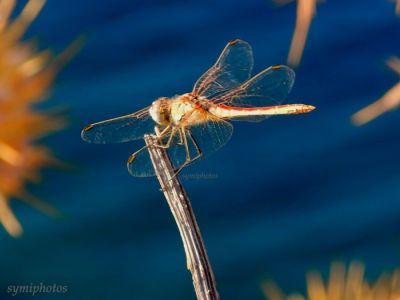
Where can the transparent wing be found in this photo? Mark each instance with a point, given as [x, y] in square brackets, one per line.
[207, 137]
[141, 166]
[233, 66]
[211, 136]
[267, 88]
[119, 130]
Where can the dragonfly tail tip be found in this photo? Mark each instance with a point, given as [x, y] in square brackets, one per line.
[311, 107]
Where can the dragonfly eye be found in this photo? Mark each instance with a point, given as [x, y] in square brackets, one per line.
[159, 111]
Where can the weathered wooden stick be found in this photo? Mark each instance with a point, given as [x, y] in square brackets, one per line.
[178, 201]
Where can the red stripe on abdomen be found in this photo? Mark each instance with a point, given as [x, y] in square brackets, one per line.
[250, 108]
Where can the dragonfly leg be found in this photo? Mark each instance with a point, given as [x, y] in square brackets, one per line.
[188, 160]
[157, 130]
[170, 138]
[185, 143]
[180, 138]
[159, 134]
[196, 145]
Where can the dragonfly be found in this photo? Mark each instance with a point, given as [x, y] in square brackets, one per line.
[195, 124]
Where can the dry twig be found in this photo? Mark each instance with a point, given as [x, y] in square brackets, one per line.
[178, 201]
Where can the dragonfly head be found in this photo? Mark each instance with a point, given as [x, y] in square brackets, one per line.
[160, 111]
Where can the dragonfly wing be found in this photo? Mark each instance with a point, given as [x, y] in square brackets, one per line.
[206, 138]
[267, 88]
[141, 165]
[233, 66]
[253, 119]
[210, 136]
[119, 130]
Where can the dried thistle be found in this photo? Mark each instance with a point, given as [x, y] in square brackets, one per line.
[306, 10]
[397, 6]
[26, 75]
[389, 101]
[342, 285]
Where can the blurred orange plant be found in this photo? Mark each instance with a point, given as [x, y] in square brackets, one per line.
[397, 7]
[26, 75]
[306, 10]
[342, 285]
[389, 101]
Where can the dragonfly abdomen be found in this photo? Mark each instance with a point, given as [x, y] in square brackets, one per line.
[228, 112]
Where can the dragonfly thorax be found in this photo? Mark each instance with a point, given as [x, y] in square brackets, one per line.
[180, 110]
[187, 110]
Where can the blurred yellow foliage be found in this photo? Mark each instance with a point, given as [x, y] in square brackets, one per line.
[306, 10]
[26, 75]
[342, 285]
[389, 101]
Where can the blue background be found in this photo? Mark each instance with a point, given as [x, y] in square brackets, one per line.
[286, 195]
